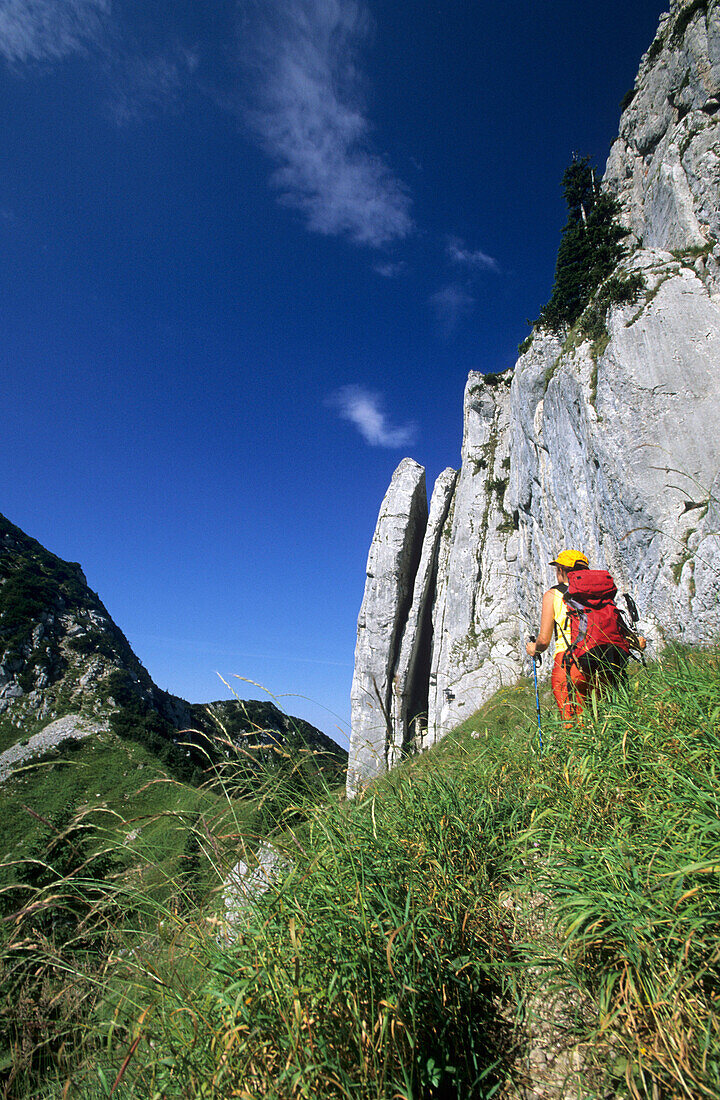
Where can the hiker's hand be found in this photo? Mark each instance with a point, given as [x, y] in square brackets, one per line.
[642, 643]
[530, 649]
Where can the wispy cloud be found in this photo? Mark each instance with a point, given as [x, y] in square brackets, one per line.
[308, 111]
[142, 86]
[458, 252]
[137, 84]
[364, 409]
[390, 270]
[451, 304]
[48, 30]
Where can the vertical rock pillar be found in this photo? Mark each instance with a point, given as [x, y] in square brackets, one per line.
[412, 671]
[475, 645]
[392, 565]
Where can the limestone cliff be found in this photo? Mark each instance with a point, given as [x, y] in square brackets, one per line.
[611, 444]
[391, 568]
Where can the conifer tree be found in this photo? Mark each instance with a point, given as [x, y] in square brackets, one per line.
[590, 248]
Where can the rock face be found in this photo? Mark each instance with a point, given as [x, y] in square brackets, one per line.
[612, 446]
[411, 679]
[392, 564]
[665, 164]
[474, 615]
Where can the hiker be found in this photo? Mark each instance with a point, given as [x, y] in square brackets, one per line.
[592, 640]
[555, 622]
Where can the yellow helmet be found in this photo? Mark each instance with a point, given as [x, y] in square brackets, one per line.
[570, 559]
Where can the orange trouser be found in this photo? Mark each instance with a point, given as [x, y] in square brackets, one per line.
[571, 686]
[570, 697]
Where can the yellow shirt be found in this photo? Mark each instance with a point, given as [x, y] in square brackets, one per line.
[562, 622]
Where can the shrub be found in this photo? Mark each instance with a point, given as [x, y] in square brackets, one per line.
[615, 291]
[627, 99]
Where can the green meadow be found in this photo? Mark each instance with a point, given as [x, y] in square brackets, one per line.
[409, 940]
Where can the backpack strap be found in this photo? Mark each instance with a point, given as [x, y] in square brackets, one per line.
[559, 630]
[579, 609]
[557, 627]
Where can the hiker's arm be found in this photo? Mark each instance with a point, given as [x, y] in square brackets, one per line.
[547, 619]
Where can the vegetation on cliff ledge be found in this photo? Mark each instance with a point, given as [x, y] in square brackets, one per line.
[592, 246]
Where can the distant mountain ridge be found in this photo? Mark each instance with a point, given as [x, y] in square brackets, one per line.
[57, 639]
[61, 653]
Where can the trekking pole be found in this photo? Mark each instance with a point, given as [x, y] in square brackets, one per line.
[634, 618]
[537, 699]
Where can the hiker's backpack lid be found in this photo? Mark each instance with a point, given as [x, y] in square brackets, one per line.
[591, 586]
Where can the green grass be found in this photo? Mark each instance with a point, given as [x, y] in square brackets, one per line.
[627, 818]
[399, 953]
[118, 781]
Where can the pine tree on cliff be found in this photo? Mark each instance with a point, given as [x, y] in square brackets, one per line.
[590, 249]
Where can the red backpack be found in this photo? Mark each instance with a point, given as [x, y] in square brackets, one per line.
[594, 618]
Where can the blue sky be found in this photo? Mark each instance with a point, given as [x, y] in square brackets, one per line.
[250, 252]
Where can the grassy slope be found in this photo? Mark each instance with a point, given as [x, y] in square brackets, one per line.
[117, 783]
[404, 942]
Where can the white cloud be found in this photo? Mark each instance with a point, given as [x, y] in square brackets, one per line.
[451, 304]
[390, 270]
[364, 409]
[459, 253]
[48, 30]
[308, 113]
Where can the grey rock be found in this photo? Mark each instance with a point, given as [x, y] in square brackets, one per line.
[91, 674]
[392, 564]
[245, 884]
[411, 675]
[72, 727]
[664, 166]
[621, 453]
[473, 616]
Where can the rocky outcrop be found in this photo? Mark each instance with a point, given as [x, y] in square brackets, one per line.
[246, 883]
[69, 728]
[58, 643]
[665, 164]
[619, 453]
[411, 675]
[475, 619]
[392, 565]
[611, 445]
